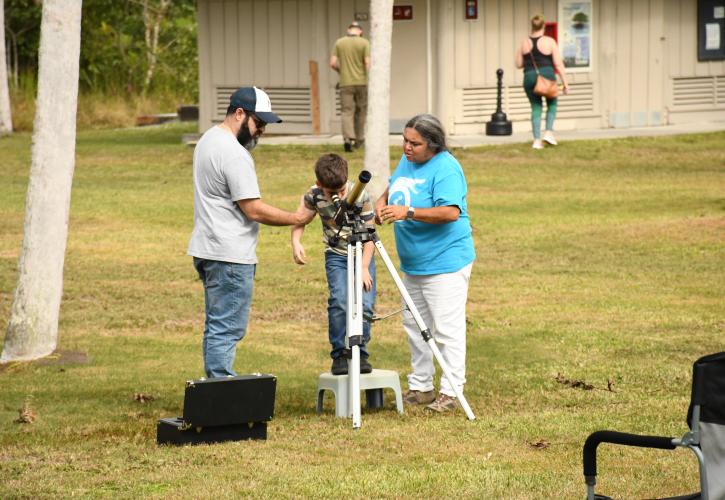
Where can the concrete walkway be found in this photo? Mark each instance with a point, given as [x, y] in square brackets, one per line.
[467, 141]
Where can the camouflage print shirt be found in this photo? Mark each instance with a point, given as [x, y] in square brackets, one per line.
[316, 200]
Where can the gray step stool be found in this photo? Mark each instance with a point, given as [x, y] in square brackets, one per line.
[338, 384]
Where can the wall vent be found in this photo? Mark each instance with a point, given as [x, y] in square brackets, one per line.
[698, 92]
[478, 103]
[292, 104]
[720, 90]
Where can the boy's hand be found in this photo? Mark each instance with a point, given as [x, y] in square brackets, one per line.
[367, 279]
[298, 254]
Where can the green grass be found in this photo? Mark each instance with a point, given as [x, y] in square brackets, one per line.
[598, 260]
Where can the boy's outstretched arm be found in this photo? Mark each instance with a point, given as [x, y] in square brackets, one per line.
[298, 251]
[367, 256]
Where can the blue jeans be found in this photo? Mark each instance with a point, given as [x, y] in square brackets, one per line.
[227, 297]
[336, 269]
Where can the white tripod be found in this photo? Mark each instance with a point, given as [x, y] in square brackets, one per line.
[348, 216]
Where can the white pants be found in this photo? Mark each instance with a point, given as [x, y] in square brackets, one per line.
[441, 302]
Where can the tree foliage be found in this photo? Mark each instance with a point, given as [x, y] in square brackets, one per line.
[116, 51]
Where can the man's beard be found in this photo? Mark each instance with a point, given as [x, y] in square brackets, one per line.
[245, 137]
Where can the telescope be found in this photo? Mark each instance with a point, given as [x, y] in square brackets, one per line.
[349, 216]
[348, 204]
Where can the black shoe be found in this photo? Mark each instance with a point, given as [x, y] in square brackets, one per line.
[365, 366]
[348, 147]
[339, 366]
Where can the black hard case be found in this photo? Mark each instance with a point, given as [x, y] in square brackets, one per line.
[229, 400]
[175, 432]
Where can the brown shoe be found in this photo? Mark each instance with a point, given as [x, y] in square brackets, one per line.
[443, 403]
[418, 397]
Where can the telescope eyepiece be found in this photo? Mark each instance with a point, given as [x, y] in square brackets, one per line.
[336, 200]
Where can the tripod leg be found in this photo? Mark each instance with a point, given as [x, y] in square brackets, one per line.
[424, 331]
[354, 328]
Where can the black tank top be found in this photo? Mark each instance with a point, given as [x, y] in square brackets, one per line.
[542, 60]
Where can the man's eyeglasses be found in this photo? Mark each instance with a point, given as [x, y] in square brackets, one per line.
[258, 121]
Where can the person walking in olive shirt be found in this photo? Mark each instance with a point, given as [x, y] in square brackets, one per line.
[351, 59]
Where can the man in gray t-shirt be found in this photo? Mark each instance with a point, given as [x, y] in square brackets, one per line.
[227, 212]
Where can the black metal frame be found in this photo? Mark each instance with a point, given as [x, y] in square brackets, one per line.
[706, 405]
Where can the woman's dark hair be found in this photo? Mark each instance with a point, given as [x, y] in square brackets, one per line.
[431, 130]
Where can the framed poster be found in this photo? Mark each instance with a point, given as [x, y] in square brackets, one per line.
[575, 34]
[710, 30]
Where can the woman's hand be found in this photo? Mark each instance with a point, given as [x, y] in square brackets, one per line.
[565, 88]
[391, 213]
[379, 205]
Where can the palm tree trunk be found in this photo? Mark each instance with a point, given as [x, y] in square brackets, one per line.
[33, 327]
[6, 121]
[377, 140]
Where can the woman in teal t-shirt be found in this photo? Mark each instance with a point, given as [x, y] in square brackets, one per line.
[426, 197]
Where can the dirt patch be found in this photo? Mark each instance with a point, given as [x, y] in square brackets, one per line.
[55, 358]
[65, 358]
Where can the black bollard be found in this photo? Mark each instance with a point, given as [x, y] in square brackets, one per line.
[499, 125]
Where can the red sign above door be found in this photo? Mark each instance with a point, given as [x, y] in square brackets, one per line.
[402, 13]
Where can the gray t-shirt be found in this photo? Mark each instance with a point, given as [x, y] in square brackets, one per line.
[223, 173]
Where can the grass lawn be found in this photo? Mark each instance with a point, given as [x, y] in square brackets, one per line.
[598, 261]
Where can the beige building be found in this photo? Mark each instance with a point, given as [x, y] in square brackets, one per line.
[633, 62]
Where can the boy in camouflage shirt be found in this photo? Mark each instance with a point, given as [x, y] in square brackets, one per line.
[331, 173]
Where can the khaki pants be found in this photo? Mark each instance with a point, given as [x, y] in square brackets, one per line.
[354, 107]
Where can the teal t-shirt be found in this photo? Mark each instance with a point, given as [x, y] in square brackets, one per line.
[432, 248]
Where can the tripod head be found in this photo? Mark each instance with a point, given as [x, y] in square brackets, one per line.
[348, 214]
[348, 204]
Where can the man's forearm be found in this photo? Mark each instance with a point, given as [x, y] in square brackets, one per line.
[260, 212]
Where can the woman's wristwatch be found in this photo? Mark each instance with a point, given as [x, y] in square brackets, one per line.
[410, 214]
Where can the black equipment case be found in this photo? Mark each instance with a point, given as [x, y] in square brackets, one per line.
[229, 400]
[175, 431]
[222, 409]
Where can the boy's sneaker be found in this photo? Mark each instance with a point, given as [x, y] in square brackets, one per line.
[443, 403]
[365, 366]
[339, 366]
[412, 397]
[348, 147]
[537, 144]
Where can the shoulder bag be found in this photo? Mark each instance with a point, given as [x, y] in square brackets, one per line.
[544, 87]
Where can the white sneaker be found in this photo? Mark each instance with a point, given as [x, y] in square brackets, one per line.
[549, 138]
[537, 144]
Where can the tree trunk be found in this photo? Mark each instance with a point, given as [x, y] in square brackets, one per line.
[377, 134]
[33, 327]
[152, 18]
[6, 121]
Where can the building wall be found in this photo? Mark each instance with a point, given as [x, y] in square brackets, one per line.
[693, 90]
[267, 43]
[644, 62]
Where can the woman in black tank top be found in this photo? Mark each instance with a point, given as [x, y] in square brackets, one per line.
[529, 56]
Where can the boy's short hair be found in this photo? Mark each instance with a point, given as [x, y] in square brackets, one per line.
[331, 171]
